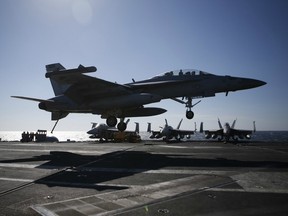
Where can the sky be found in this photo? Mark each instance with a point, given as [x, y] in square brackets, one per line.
[139, 39]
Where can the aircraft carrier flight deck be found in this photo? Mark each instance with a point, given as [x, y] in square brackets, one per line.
[147, 178]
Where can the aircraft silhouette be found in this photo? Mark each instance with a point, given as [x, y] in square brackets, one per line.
[227, 132]
[79, 93]
[168, 132]
[104, 132]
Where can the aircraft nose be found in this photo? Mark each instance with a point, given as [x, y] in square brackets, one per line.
[256, 83]
[260, 83]
[92, 131]
[251, 83]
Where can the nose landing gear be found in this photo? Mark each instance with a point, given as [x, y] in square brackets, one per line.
[189, 105]
[189, 114]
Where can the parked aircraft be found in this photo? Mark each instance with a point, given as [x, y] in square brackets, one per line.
[227, 132]
[79, 93]
[104, 132]
[168, 132]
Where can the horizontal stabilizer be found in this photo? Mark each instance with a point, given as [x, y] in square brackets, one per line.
[58, 69]
[32, 99]
[149, 127]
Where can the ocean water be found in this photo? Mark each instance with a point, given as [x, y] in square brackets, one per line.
[79, 136]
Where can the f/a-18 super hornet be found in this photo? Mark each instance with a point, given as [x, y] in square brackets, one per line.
[168, 132]
[79, 93]
[104, 132]
[227, 132]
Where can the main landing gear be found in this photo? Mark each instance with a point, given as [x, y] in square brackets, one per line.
[111, 121]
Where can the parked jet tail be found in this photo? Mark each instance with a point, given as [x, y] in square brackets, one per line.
[219, 123]
[178, 127]
[54, 70]
[201, 127]
[233, 124]
[137, 130]
[149, 127]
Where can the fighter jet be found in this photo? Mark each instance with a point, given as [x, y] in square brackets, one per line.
[168, 132]
[105, 133]
[227, 132]
[79, 93]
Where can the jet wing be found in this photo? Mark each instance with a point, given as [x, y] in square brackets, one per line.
[112, 129]
[177, 132]
[155, 134]
[213, 133]
[85, 88]
[240, 133]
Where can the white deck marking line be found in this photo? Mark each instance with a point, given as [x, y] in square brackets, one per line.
[29, 166]
[16, 179]
[245, 190]
[58, 150]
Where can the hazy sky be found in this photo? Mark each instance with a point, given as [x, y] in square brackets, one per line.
[138, 39]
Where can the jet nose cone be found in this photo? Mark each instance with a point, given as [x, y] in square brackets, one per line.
[252, 83]
[260, 83]
[256, 83]
[92, 131]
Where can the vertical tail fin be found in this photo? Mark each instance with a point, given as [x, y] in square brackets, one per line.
[219, 123]
[201, 127]
[59, 88]
[233, 124]
[93, 125]
[149, 127]
[137, 127]
[179, 124]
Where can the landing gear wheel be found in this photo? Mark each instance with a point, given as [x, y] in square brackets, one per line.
[111, 121]
[189, 114]
[122, 126]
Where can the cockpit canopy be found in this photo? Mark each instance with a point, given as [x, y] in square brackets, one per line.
[184, 72]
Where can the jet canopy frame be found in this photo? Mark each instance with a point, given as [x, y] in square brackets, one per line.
[182, 72]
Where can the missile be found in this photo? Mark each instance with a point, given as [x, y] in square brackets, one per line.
[80, 69]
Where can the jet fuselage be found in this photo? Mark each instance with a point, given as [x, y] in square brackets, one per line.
[169, 85]
[192, 83]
